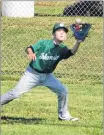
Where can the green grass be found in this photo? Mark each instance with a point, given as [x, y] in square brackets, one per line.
[36, 112]
[53, 7]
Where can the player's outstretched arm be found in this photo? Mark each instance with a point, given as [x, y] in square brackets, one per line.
[30, 54]
[76, 46]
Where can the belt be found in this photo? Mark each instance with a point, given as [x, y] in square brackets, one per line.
[43, 72]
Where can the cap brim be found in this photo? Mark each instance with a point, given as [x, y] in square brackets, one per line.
[65, 29]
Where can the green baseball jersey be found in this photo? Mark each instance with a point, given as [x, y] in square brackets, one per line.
[48, 55]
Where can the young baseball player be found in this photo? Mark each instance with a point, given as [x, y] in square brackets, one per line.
[44, 56]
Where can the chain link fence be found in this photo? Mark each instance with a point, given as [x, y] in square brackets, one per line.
[20, 32]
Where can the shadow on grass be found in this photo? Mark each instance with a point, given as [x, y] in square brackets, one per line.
[41, 121]
[11, 120]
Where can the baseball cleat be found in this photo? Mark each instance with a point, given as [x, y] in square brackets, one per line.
[70, 119]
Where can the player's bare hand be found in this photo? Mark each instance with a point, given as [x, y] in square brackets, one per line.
[31, 56]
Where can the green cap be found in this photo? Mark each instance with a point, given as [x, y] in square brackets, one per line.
[58, 26]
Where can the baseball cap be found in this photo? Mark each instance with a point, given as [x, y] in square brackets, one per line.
[58, 26]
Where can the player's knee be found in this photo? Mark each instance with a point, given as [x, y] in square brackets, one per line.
[14, 94]
[64, 91]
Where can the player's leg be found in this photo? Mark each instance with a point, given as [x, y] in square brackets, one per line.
[56, 86]
[62, 92]
[26, 83]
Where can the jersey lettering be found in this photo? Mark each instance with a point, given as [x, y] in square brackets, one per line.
[44, 56]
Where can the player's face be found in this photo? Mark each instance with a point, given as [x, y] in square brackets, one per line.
[60, 35]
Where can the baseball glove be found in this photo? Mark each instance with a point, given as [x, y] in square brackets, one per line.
[81, 31]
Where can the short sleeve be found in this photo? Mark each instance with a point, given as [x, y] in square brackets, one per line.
[35, 47]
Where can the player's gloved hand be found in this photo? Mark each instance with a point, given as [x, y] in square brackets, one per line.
[81, 33]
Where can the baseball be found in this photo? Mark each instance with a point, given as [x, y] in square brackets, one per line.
[78, 21]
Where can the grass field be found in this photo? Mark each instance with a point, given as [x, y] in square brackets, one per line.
[35, 113]
[53, 7]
